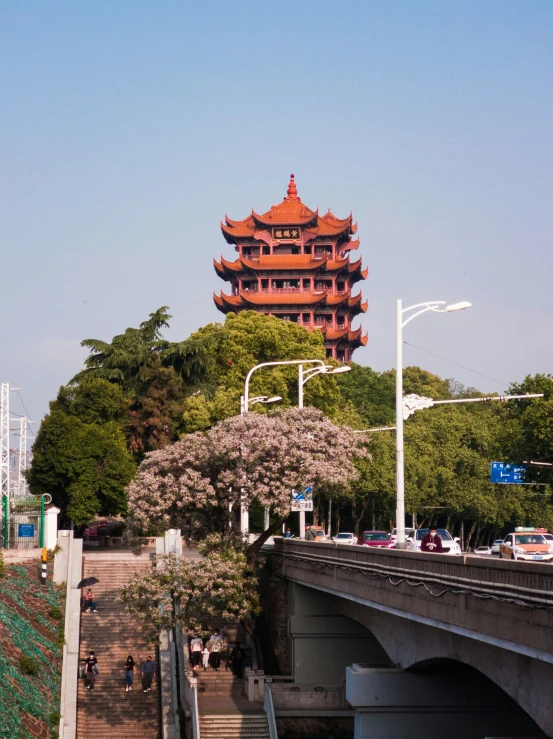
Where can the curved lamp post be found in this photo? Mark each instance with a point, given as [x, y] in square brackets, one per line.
[304, 376]
[253, 401]
[435, 307]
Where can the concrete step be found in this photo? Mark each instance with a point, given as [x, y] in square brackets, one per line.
[234, 726]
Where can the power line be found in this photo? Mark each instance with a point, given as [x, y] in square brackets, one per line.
[27, 413]
[500, 382]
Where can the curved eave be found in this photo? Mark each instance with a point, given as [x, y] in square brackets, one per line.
[284, 215]
[232, 233]
[280, 299]
[335, 265]
[351, 245]
[333, 300]
[228, 303]
[284, 263]
[339, 222]
[235, 267]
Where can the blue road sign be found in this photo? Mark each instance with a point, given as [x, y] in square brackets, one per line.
[26, 530]
[508, 474]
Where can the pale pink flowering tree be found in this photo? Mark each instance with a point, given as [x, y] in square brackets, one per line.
[198, 483]
[189, 593]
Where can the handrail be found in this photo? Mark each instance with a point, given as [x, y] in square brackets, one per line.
[194, 713]
[270, 711]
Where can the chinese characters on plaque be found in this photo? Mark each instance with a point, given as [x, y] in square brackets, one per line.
[284, 233]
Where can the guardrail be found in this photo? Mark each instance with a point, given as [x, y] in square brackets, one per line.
[525, 583]
[270, 711]
[191, 697]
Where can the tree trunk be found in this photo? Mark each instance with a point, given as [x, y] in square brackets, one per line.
[253, 550]
[469, 537]
[358, 520]
[337, 519]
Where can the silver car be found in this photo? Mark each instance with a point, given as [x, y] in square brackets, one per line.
[345, 538]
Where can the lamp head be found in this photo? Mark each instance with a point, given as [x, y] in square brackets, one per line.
[339, 370]
[274, 399]
[457, 306]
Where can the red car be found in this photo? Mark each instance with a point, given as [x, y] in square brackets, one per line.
[375, 539]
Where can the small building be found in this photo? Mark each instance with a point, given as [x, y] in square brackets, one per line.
[295, 264]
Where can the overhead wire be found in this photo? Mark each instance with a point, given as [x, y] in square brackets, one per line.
[469, 369]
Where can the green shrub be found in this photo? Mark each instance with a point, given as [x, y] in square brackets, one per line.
[56, 613]
[2, 571]
[55, 718]
[28, 665]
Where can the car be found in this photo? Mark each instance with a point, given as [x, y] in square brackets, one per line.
[375, 539]
[483, 550]
[495, 546]
[315, 533]
[344, 538]
[527, 546]
[449, 544]
[408, 533]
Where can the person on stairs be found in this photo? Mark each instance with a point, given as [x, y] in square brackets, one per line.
[129, 673]
[215, 645]
[89, 602]
[148, 674]
[236, 660]
[91, 670]
[205, 657]
[196, 649]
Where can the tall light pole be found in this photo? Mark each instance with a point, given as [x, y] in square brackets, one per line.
[434, 306]
[304, 376]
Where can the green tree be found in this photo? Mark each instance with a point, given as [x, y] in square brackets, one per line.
[80, 455]
[247, 339]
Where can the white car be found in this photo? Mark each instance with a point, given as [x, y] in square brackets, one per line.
[449, 544]
[495, 546]
[344, 538]
[483, 550]
[408, 534]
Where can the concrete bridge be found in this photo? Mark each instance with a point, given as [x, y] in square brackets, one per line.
[430, 645]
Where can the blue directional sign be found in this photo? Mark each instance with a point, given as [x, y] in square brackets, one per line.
[508, 474]
[26, 530]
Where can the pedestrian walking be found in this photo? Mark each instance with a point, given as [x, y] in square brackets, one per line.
[148, 674]
[215, 646]
[129, 673]
[91, 671]
[196, 649]
[236, 660]
[205, 657]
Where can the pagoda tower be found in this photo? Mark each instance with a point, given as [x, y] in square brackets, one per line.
[295, 264]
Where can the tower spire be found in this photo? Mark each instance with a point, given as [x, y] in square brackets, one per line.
[292, 192]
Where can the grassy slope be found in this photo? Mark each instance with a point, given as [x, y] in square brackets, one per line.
[31, 640]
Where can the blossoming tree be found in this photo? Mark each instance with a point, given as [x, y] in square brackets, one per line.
[198, 485]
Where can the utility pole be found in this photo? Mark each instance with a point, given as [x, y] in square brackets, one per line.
[5, 439]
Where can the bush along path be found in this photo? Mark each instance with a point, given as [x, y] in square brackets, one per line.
[31, 643]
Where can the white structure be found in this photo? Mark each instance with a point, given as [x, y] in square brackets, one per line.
[4, 440]
[51, 527]
[434, 306]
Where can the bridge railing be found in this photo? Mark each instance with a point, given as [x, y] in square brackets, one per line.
[526, 582]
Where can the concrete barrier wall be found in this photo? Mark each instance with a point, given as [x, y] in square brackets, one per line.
[72, 556]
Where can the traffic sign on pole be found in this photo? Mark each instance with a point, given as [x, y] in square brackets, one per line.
[508, 474]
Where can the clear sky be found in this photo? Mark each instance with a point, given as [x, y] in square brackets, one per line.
[128, 129]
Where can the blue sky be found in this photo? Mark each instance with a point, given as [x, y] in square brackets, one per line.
[128, 130]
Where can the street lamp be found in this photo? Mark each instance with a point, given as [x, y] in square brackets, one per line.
[253, 401]
[323, 369]
[304, 376]
[435, 307]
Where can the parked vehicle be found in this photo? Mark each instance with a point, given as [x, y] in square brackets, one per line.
[526, 546]
[315, 533]
[483, 550]
[375, 539]
[450, 545]
[344, 538]
[409, 532]
[496, 545]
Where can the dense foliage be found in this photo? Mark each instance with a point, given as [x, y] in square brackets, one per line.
[139, 394]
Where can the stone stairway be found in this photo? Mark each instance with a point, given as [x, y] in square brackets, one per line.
[234, 726]
[109, 711]
[225, 712]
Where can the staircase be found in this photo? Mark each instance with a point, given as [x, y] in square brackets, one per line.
[109, 711]
[225, 712]
[234, 726]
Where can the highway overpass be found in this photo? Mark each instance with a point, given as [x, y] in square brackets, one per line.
[430, 645]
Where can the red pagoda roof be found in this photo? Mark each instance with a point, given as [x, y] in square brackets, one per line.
[284, 262]
[290, 212]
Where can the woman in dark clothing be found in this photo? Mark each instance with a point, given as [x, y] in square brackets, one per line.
[129, 673]
[236, 660]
